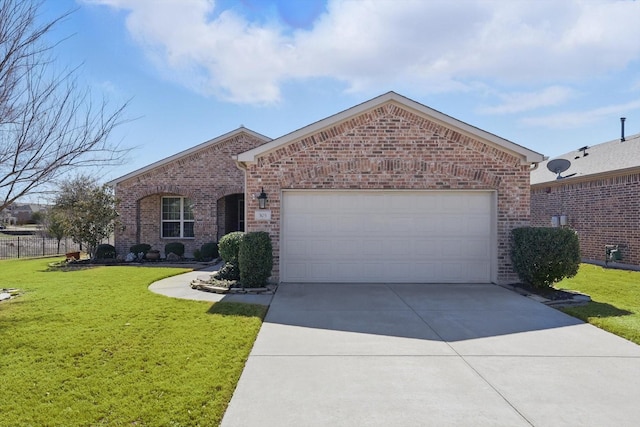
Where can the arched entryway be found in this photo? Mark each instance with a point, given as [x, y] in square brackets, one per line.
[230, 214]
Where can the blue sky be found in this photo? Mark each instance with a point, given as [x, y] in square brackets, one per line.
[550, 75]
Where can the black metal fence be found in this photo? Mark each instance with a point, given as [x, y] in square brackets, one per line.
[32, 246]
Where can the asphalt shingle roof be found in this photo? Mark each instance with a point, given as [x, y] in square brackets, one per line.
[606, 157]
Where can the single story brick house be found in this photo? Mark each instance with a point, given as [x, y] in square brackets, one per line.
[598, 196]
[389, 190]
[193, 197]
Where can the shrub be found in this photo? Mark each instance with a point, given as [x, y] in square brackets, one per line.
[255, 258]
[209, 250]
[174, 247]
[140, 247]
[105, 251]
[197, 255]
[229, 246]
[229, 271]
[544, 256]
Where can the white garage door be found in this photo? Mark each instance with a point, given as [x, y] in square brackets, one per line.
[387, 236]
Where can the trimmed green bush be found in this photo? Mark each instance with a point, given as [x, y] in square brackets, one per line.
[105, 251]
[229, 246]
[140, 247]
[174, 247]
[255, 258]
[543, 256]
[209, 250]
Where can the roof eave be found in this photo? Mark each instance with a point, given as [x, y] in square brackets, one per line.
[187, 152]
[589, 177]
[527, 156]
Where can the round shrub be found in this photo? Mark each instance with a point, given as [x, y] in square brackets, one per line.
[174, 247]
[140, 248]
[209, 250]
[255, 259]
[229, 246]
[543, 256]
[105, 251]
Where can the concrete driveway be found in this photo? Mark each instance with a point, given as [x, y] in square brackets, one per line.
[440, 355]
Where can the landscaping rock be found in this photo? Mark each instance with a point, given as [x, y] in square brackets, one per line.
[171, 257]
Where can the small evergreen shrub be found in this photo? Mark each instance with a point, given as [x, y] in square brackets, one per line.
[105, 251]
[197, 255]
[229, 271]
[174, 247]
[229, 246]
[543, 256]
[209, 250]
[255, 258]
[140, 247]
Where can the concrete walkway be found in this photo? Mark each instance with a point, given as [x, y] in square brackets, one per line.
[431, 355]
[179, 287]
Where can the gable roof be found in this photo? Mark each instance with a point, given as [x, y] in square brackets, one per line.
[190, 151]
[528, 156]
[610, 157]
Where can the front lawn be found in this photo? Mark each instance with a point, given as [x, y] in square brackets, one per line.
[94, 347]
[615, 296]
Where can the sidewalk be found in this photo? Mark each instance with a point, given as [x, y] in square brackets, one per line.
[179, 287]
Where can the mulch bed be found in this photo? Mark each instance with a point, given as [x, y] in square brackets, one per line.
[552, 296]
[548, 293]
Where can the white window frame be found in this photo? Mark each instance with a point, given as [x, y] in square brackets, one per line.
[182, 220]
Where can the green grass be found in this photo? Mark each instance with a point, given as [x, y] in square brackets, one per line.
[615, 296]
[94, 347]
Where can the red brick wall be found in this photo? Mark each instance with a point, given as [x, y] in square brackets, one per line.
[392, 148]
[603, 211]
[204, 176]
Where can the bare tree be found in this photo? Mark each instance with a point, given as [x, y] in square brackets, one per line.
[49, 125]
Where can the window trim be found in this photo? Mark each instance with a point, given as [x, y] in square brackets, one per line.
[181, 221]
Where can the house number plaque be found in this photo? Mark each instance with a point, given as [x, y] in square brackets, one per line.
[263, 215]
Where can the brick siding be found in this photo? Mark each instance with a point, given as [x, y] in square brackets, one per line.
[391, 147]
[603, 211]
[205, 176]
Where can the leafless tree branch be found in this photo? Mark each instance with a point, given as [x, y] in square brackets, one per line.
[49, 125]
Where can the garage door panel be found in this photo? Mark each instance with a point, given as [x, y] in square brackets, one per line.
[426, 272]
[321, 270]
[386, 236]
[476, 248]
[318, 249]
[423, 248]
[295, 249]
[373, 248]
[297, 271]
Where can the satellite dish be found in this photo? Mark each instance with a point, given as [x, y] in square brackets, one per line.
[558, 166]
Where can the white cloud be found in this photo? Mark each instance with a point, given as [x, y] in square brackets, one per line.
[576, 119]
[527, 101]
[429, 46]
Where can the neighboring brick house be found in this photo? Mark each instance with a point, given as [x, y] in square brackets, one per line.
[389, 191]
[193, 197]
[599, 198]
